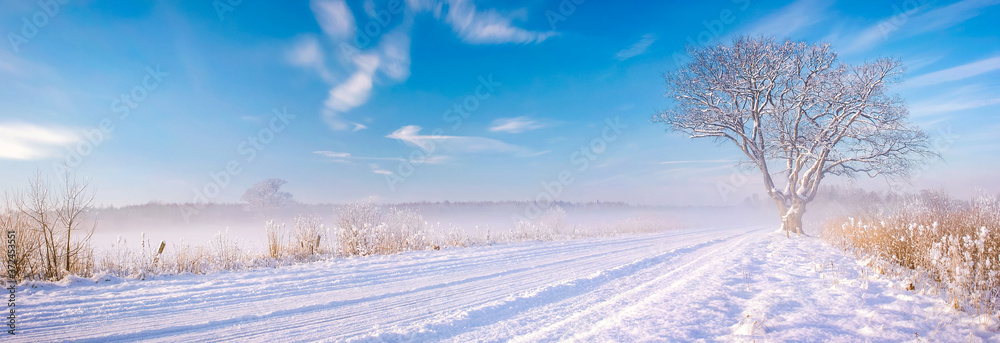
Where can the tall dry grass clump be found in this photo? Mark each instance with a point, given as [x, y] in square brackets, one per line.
[940, 244]
[275, 239]
[27, 246]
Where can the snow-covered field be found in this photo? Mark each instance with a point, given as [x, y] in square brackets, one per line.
[720, 284]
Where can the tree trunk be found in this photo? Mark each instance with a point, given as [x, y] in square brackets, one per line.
[791, 219]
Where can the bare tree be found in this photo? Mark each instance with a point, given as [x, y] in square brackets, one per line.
[796, 113]
[54, 225]
[75, 202]
[267, 195]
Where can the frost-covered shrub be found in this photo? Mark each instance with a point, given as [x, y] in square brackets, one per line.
[364, 229]
[938, 243]
[308, 235]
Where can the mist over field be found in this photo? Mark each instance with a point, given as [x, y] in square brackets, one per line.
[162, 222]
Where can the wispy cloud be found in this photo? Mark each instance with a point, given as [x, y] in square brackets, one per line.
[307, 53]
[351, 93]
[410, 135]
[960, 99]
[790, 19]
[953, 106]
[948, 16]
[956, 73]
[699, 161]
[921, 61]
[637, 48]
[487, 27]
[389, 60]
[515, 125]
[914, 21]
[345, 157]
[32, 142]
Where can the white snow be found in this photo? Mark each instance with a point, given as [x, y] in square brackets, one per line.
[722, 284]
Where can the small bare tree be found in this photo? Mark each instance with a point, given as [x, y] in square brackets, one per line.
[266, 196]
[794, 111]
[74, 204]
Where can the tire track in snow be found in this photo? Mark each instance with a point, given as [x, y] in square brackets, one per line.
[678, 275]
[563, 290]
[337, 299]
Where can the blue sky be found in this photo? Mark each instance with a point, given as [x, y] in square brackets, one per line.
[442, 100]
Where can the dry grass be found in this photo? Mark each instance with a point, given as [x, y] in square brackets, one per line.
[937, 243]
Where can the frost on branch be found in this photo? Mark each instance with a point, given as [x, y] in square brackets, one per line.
[797, 114]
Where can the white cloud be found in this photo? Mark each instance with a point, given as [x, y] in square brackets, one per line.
[637, 48]
[515, 125]
[32, 142]
[410, 134]
[352, 93]
[394, 50]
[307, 53]
[356, 89]
[956, 73]
[790, 19]
[334, 17]
[487, 27]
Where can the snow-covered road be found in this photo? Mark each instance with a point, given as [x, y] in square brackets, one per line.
[679, 286]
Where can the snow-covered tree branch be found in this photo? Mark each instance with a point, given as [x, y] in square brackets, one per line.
[797, 114]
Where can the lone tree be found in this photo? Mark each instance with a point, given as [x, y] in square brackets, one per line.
[266, 196]
[797, 114]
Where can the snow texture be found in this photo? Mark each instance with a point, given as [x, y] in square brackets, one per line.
[720, 284]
